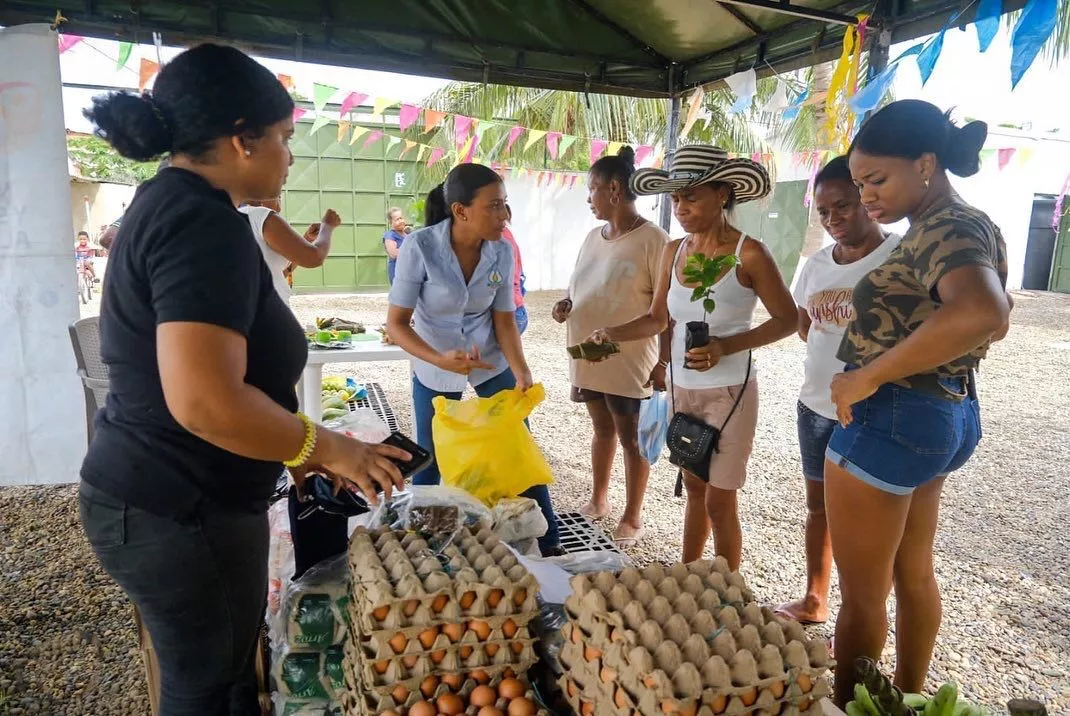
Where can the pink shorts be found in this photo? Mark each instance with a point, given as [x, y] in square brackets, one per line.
[728, 468]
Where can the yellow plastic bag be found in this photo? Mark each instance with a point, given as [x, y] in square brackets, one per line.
[482, 445]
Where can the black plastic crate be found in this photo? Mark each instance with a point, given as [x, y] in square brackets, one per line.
[580, 534]
[377, 401]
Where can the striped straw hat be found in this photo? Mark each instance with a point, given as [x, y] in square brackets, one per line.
[701, 164]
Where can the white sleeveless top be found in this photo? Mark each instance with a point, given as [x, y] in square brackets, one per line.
[732, 315]
[275, 261]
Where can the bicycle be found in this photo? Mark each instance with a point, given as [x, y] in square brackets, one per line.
[85, 284]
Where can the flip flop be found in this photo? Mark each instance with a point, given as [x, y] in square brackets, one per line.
[629, 542]
[784, 610]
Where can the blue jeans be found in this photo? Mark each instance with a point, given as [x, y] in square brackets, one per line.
[814, 433]
[421, 401]
[522, 319]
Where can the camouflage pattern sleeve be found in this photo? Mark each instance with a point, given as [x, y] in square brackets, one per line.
[953, 240]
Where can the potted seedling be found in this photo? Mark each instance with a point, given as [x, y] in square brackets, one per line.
[706, 272]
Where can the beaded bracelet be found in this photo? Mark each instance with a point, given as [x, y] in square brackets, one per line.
[308, 446]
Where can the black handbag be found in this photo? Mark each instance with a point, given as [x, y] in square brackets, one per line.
[691, 442]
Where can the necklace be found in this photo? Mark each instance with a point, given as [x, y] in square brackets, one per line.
[605, 229]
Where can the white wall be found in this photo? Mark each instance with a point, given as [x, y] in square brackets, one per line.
[42, 413]
[106, 203]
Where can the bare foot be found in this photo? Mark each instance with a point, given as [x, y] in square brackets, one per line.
[626, 535]
[808, 610]
[594, 511]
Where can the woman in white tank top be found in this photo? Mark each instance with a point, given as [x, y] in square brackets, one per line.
[282, 247]
[707, 381]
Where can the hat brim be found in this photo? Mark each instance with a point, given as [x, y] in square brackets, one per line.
[748, 179]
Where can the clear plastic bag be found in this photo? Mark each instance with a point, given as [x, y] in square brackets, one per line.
[309, 675]
[518, 519]
[281, 565]
[313, 613]
[591, 561]
[289, 706]
[436, 511]
[363, 424]
[653, 426]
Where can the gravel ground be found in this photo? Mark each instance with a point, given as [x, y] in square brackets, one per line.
[67, 643]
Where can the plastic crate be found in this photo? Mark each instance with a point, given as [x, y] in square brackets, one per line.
[377, 401]
[580, 534]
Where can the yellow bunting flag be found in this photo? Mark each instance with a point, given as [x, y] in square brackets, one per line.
[614, 148]
[534, 135]
[380, 105]
[424, 149]
[343, 129]
[358, 132]
[409, 145]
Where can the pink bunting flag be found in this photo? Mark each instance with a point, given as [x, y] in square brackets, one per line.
[642, 153]
[66, 42]
[1005, 157]
[373, 138]
[572, 181]
[408, 116]
[299, 112]
[514, 134]
[597, 147]
[353, 99]
[470, 156]
[552, 139]
[461, 125]
[436, 155]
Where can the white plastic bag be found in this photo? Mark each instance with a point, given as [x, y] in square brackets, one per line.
[434, 510]
[364, 424]
[517, 519]
[281, 565]
[313, 611]
[653, 426]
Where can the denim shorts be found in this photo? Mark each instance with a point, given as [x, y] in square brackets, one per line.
[814, 433]
[902, 438]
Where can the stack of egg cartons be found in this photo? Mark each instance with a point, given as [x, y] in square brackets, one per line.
[687, 640]
[427, 622]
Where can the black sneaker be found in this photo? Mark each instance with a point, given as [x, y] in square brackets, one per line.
[555, 551]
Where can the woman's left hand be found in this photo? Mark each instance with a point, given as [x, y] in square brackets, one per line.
[849, 388]
[524, 380]
[704, 358]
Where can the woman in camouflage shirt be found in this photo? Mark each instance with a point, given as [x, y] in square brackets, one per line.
[906, 405]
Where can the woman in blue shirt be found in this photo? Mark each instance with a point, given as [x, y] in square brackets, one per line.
[393, 239]
[456, 278]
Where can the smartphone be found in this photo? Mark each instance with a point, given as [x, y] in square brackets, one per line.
[421, 457]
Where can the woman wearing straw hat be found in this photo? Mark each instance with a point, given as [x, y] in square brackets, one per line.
[713, 383]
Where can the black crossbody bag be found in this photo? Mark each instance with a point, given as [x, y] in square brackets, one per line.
[692, 443]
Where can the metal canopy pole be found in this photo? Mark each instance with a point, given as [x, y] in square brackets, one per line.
[670, 145]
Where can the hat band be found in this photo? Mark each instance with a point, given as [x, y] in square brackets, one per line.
[673, 175]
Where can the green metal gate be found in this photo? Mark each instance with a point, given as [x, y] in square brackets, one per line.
[1060, 267]
[360, 184]
[781, 223]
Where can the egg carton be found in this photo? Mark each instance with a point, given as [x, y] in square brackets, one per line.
[357, 700]
[389, 644]
[384, 673]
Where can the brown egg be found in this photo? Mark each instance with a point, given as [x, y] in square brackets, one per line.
[453, 681]
[428, 686]
[586, 708]
[495, 598]
[591, 654]
[490, 711]
[719, 703]
[520, 596]
[511, 689]
[570, 687]
[450, 704]
[411, 606]
[398, 642]
[509, 628]
[381, 613]
[508, 674]
[400, 693]
[410, 660]
[492, 649]
[620, 698]
[805, 683]
[381, 666]
[608, 675]
[750, 696]
[577, 635]
[480, 676]
[464, 652]
[517, 647]
[428, 636]
[422, 708]
[482, 696]
[522, 707]
[453, 632]
[467, 600]
[389, 713]
[481, 629]
[439, 603]
[438, 656]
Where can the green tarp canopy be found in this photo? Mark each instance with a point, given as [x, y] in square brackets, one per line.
[654, 48]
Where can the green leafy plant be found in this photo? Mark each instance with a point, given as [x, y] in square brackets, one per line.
[96, 160]
[706, 272]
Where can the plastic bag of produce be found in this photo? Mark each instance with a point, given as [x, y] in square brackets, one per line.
[312, 675]
[435, 511]
[363, 424]
[313, 613]
[518, 519]
[483, 446]
[653, 426]
[280, 555]
[286, 706]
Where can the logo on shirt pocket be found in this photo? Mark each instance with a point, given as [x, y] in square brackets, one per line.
[495, 279]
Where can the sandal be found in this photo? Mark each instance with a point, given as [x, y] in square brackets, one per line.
[785, 610]
[628, 542]
[594, 515]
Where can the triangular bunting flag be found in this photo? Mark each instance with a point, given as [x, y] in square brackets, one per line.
[373, 138]
[1035, 25]
[542, 176]
[778, 101]
[321, 95]
[743, 85]
[408, 116]
[566, 143]
[125, 48]
[1024, 156]
[146, 72]
[659, 161]
[343, 129]
[461, 125]
[534, 135]
[514, 134]
[432, 119]
[409, 144]
[299, 112]
[986, 155]
[642, 153]
[380, 104]
[597, 147]
[614, 148]
[352, 100]
[320, 122]
[436, 155]
[552, 139]
[286, 81]
[572, 181]
[466, 150]
[66, 42]
[424, 149]
[693, 109]
[358, 132]
[1005, 155]
[392, 142]
[987, 22]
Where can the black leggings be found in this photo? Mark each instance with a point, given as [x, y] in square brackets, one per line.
[201, 589]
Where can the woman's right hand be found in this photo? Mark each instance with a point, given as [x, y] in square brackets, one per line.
[364, 467]
[331, 219]
[562, 309]
[462, 362]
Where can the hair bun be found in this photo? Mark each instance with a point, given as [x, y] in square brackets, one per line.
[627, 155]
[963, 149]
[132, 124]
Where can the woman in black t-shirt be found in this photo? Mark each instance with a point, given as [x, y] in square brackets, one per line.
[203, 358]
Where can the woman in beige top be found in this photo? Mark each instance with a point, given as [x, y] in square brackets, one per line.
[614, 280]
